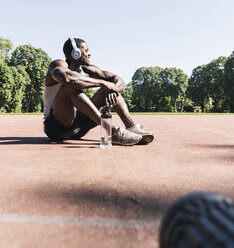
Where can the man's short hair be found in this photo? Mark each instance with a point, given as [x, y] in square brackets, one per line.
[67, 47]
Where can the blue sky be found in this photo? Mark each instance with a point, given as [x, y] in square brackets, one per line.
[124, 35]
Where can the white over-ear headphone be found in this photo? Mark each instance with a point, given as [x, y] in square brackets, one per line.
[76, 53]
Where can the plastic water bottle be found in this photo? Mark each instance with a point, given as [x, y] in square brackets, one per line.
[106, 128]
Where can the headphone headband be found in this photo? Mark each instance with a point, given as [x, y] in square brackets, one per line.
[73, 43]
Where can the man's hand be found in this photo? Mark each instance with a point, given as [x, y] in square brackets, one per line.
[111, 99]
[110, 87]
[112, 93]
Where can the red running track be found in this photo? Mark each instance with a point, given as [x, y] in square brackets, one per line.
[75, 194]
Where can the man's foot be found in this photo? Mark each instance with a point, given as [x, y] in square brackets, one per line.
[147, 136]
[121, 136]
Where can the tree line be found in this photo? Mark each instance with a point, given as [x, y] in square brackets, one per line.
[22, 75]
[152, 89]
[210, 88]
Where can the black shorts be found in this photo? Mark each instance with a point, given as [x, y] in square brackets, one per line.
[58, 132]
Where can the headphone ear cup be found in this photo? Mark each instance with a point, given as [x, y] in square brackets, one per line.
[76, 53]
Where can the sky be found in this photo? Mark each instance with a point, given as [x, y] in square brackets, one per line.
[124, 35]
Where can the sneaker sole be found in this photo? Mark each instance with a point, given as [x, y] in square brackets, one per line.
[146, 139]
[197, 218]
[122, 144]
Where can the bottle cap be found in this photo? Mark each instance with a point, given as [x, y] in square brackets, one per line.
[106, 112]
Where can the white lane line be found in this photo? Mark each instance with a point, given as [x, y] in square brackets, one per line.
[217, 132]
[79, 221]
[207, 129]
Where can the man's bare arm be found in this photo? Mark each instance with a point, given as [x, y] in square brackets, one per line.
[95, 72]
[60, 73]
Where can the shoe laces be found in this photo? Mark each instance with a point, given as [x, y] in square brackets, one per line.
[141, 126]
[121, 132]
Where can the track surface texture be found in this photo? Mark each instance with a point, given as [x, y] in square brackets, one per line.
[75, 194]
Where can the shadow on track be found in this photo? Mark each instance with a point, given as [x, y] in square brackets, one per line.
[101, 201]
[23, 140]
[85, 143]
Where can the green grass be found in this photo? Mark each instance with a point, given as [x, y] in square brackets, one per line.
[21, 113]
[138, 113]
[178, 113]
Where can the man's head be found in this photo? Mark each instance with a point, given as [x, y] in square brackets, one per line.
[81, 44]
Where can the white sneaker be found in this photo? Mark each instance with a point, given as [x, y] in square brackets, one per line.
[122, 136]
[147, 136]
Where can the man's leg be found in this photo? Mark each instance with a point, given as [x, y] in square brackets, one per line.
[121, 108]
[66, 99]
[63, 110]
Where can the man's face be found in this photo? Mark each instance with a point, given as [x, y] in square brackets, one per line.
[85, 55]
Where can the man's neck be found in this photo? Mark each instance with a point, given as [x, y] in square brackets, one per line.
[74, 66]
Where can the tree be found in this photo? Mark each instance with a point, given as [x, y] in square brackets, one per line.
[158, 89]
[197, 90]
[215, 82]
[13, 81]
[229, 82]
[5, 49]
[207, 82]
[128, 96]
[146, 88]
[36, 62]
[89, 92]
[6, 86]
[21, 80]
[174, 83]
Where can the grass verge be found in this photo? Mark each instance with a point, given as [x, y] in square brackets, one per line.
[138, 113]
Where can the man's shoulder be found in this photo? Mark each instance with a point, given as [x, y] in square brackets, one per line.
[58, 62]
[49, 81]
